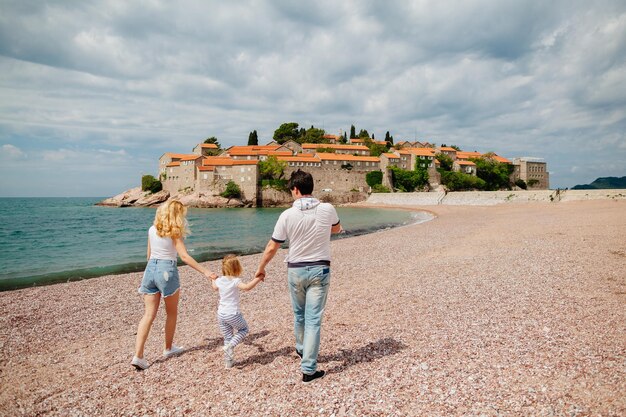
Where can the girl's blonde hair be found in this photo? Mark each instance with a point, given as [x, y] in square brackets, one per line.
[231, 267]
[170, 220]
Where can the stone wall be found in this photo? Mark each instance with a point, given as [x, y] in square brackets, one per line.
[337, 180]
[488, 198]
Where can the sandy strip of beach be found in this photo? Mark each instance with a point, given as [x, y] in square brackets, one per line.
[514, 309]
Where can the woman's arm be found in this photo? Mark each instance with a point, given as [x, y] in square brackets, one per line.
[182, 252]
[249, 285]
[148, 256]
[213, 285]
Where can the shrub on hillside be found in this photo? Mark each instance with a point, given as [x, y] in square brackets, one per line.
[458, 181]
[374, 178]
[149, 183]
[379, 188]
[232, 190]
[408, 181]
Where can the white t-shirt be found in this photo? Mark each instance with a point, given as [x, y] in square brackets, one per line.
[229, 295]
[307, 226]
[161, 247]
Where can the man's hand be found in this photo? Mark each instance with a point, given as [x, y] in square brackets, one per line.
[260, 274]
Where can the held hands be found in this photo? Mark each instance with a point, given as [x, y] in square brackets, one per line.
[260, 274]
[210, 275]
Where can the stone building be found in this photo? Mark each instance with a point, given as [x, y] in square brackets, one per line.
[181, 173]
[466, 167]
[532, 171]
[338, 148]
[215, 172]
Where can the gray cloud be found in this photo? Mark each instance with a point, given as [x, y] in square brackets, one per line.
[519, 78]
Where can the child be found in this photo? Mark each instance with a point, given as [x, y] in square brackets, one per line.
[229, 317]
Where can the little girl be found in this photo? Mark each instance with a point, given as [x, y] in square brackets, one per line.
[229, 317]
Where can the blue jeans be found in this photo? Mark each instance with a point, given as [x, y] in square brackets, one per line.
[308, 287]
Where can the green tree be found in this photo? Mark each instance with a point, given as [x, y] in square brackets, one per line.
[287, 131]
[377, 150]
[363, 134]
[314, 135]
[149, 183]
[253, 138]
[272, 168]
[345, 138]
[232, 190]
[352, 132]
[408, 181]
[458, 181]
[388, 137]
[521, 184]
[445, 161]
[495, 174]
[373, 178]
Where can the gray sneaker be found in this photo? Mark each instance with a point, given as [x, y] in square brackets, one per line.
[228, 363]
[174, 350]
[139, 363]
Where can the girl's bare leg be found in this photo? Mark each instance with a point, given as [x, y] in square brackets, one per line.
[171, 309]
[151, 303]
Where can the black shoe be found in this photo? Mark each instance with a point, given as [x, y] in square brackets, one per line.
[306, 379]
[299, 353]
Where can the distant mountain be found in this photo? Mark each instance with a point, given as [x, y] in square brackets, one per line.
[603, 183]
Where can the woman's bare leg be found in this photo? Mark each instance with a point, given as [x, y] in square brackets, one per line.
[151, 303]
[171, 309]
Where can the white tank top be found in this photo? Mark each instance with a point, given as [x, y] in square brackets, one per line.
[161, 247]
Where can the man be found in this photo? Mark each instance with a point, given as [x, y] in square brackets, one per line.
[307, 225]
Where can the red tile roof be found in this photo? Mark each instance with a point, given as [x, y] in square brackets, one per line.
[335, 146]
[343, 157]
[299, 158]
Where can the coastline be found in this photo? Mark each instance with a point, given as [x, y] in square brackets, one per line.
[512, 309]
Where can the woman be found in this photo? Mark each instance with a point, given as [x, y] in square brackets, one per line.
[160, 279]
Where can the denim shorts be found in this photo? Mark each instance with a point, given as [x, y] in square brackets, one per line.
[160, 276]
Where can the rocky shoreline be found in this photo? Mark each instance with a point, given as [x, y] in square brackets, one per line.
[135, 197]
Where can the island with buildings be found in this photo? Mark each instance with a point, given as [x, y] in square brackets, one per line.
[340, 170]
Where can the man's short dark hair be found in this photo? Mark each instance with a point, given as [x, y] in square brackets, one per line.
[301, 180]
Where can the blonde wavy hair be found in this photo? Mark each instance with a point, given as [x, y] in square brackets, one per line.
[231, 267]
[170, 220]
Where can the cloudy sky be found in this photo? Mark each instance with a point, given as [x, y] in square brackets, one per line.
[92, 93]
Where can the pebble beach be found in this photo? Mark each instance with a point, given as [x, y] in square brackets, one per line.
[506, 310]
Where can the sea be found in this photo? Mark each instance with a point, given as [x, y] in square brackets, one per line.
[51, 240]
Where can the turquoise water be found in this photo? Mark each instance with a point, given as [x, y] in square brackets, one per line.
[46, 240]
